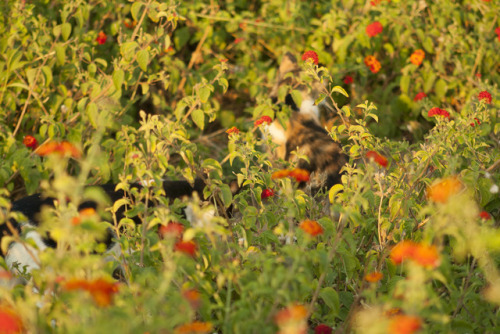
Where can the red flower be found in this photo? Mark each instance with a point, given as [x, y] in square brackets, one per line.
[424, 255]
[373, 64]
[438, 112]
[238, 40]
[129, 23]
[10, 322]
[63, 148]
[280, 174]
[266, 193]
[300, 175]
[30, 142]
[232, 131]
[262, 120]
[186, 247]
[417, 57]
[292, 319]
[379, 159]
[402, 251]
[348, 80]
[101, 290]
[419, 96]
[374, 29]
[374, 277]
[404, 324]
[311, 55]
[484, 95]
[477, 121]
[193, 297]
[497, 31]
[484, 215]
[323, 329]
[194, 327]
[311, 227]
[441, 191]
[101, 38]
[171, 230]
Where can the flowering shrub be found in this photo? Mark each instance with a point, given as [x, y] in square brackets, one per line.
[144, 91]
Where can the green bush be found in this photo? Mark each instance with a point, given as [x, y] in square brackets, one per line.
[147, 89]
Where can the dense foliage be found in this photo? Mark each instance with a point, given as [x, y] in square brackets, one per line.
[144, 90]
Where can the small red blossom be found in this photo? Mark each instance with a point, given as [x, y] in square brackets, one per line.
[238, 40]
[311, 227]
[485, 96]
[497, 31]
[10, 322]
[379, 159]
[101, 290]
[374, 277]
[374, 29]
[266, 193]
[438, 112]
[323, 329]
[485, 215]
[223, 60]
[348, 80]
[417, 57]
[300, 175]
[419, 96]
[477, 121]
[404, 324]
[63, 148]
[193, 297]
[196, 327]
[101, 38]
[311, 55]
[233, 131]
[128, 23]
[292, 319]
[186, 247]
[373, 64]
[30, 142]
[263, 120]
[171, 230]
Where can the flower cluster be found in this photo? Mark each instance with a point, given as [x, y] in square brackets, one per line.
[485, 96]
[171, 230]
[379, 159]
[419, 96]
[477, 121]
[348, 80]
[374, 29]
[441, 191]
[263, 120]
[425, 255]
[300, 175]
[485, 215]
[266, 193]
[194, 327]
[193, 297]
[373, 64]
[10, 322]
[374, 277]
[438, 112]
[404, 324]
[292, 319]
[101, 38]
[323, 329]
[30, 142]
[85, 213]
[497, 31]
[417, 57]
[233, 131]
[101, 290]
[311, 227]
[63, 148]
[311, 55]
[376, 2]
[186, 247]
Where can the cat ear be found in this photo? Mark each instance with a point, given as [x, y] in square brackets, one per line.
[288, 64]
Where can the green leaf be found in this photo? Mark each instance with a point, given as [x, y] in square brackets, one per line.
[65, 30]
[47, 72]
[331, 299]
[118, 78]
[340, 90]
[30, 74]
[297, 97]
[428, 45]
[429, 82]
[143, 59]
[93, 113]
[127, 50]
[227, 195]
[134, 10]
[204, 94]
[440, 88]
[198, 118]
[404, 84]
[334, 191]
[60, 54]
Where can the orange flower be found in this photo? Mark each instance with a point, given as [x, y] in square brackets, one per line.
[417, 57]
[292, 320]
[101, 37]
[10, 322]
[186, 247]
[311, 227]
[402, 251]
[171, 230]
[374, 277]
[374, 29]
[379, 159]
[262, 120]
[426, 255]
[194, 327]
[101, 290]
[404, 324]
[30, 142]
[280, 174]
[63, 148]
[440, 192]
[373, 64]
[193, 297]
[300, 175]
[311, 55]
[232, 131]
